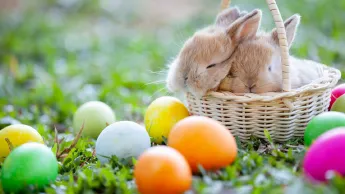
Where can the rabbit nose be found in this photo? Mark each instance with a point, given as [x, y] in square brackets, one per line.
[251, 85]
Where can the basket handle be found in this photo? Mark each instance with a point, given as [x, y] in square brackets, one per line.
[283, 44]
[225, 4]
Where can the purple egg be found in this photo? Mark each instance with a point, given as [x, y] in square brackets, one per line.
[326, 154]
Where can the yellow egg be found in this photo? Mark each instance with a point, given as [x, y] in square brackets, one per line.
[161, 115]
[18, 134]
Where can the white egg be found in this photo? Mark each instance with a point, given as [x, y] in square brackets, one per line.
[123, 139]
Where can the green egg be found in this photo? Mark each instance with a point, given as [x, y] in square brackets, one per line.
[322, 123]
[339, 104]
[95, 115]
[31, 164]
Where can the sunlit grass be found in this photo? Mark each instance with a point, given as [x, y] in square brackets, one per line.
[56, 55]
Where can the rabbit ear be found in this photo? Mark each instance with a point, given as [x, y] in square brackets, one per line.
[245, 27]
[227, 17]
[291, 25]
[243, 13]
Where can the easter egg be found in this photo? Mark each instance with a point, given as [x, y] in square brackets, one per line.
[336, 92]
[30, 164]
[203, 141]
[162, 169]
[339, 104]
[161, 115]
[95, 115]
[322, 123]
[123, 139]
[325, 154]
[17, 134]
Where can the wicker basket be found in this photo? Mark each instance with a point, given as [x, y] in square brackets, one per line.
[284, 114]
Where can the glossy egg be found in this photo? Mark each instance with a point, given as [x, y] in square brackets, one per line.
[325, 154]
[123, 139]
[336, 93]
[339, 104]
[30, 164]
[162, 114]
[203, 141]
[322, 123]
[162, 170]
[17, 134]
[95, 115]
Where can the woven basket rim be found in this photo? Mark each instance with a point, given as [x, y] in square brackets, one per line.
[329, 79]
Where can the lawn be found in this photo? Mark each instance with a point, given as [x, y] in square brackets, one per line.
[56, 55]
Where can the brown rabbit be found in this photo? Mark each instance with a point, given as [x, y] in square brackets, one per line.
[202, 62]
[256, 64]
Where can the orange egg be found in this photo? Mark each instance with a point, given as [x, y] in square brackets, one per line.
[162, 169]
[203, 141]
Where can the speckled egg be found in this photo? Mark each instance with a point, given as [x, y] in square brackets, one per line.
[325, 154]
[123, 139]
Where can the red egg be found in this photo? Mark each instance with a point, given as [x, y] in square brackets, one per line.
[336, 92]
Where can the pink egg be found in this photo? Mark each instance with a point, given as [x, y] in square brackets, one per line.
[336, 92]
[325, 154]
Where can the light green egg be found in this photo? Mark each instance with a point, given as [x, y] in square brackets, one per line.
[95, 115]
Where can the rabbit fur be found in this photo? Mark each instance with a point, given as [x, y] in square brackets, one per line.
[201, 63]
[232, 55]
[256, 63]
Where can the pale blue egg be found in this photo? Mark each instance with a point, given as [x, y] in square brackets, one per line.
[123, 139]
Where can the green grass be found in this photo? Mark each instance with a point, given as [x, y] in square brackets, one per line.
[54, 57]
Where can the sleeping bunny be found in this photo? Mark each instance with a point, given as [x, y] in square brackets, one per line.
[256, 63]
[202, 63]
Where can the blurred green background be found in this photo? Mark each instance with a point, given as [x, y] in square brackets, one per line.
[55, 55]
